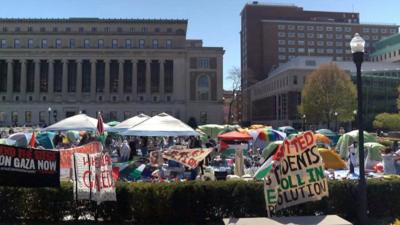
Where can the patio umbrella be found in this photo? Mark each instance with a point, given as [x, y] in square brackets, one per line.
[211, 130]
[265, 136]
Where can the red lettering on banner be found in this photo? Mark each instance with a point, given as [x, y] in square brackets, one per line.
[24, 153]
[8, 151]
[99, 181]
[66, 154]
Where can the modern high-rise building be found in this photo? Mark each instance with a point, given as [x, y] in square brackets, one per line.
[273, 34]
[54, 68]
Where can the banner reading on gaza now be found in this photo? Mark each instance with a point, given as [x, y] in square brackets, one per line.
[29, 167]
[297, 175]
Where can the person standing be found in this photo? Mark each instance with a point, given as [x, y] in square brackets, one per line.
[352, 160]
[125, 151]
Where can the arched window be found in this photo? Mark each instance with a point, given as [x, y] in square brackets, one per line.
[203, 88]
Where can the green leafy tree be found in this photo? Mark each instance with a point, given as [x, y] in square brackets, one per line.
[387, 121]
[327, 90]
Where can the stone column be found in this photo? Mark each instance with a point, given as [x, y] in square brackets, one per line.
[107, 80]
[93, 79]
[51, 79]
[162, 75]
[36, 89]
[9, 79]
[121, 79]
[23, 78]
[134, 80]
[148, 80]
[79, 80]
[64, 89]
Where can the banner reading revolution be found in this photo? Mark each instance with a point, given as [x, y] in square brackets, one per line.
[29, 167]
[93, 178]
[188, 157]
[296, 174]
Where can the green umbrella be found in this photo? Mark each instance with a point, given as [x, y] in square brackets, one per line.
[113, 123]
[211, 130]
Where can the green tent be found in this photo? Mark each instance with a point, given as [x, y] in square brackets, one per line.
[211, 130]
[347, 139]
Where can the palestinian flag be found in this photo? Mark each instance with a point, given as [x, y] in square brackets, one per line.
[270, 164]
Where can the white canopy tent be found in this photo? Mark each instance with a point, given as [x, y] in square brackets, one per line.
[77, 122]
[129, 123]
[161, 125]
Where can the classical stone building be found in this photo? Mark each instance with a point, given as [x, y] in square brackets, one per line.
[54, 68]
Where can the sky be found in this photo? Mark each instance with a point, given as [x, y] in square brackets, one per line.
[216, 22]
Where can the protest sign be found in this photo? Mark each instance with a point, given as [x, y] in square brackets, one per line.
[295, 174]
[93, 179]
[188, 157]
[29, 167]
[66, 154]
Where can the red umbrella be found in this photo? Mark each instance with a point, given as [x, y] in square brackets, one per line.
[100, 125]
[234, 135]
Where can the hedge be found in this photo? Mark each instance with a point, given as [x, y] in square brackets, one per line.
[190, 202]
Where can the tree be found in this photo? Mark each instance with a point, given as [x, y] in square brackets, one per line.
[387, 121]
[327, 90]
[235, 77]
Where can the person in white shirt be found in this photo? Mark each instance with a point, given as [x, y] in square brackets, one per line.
[352, 160]
[125, 151]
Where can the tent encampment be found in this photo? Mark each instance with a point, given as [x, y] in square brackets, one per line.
[129, 123]
[77, 122]
[161, 125]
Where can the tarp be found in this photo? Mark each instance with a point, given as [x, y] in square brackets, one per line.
[234, 135]
[331, 159]
[77, 122]
[211, 130]
[45, 139]
[129, 123]
[161, 125]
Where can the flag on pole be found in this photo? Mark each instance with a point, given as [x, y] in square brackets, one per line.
[32, 142]
[100, 125]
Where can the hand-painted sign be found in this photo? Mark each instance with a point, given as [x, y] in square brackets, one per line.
[296, 174]
[188, 157]
[29, 167]
[93, 177]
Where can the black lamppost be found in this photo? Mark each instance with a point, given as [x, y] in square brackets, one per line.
[336, 115]
[303, 126]
[357, 45]
[49, 111]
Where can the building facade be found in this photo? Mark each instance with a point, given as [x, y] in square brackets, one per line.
[387, 49]
[271, 35]
[54, 68]
[275, 100]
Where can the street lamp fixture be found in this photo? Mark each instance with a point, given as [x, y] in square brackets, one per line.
[336, 115]
[303, 122]
[49, 111]
[357, 45]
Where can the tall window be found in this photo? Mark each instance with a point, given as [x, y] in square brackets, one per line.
[72, 76]
[17, 43]
[155, 43]
[30, 75]
[57, 75]
[44, 78]
[86, 71]
[58, 43]
[204, 63]
[141, 43]
[100, 76]
[3, 76]
[42, 117]
[30, 43]
[114, 43]
[3, 43]
[2, 116]
[203, 87]
[168, 44]
[14, 117]
[203, 117]
[100, 43]
[44, 43]
[128, 43]
[16, 76]
[113, 82]
[71, 43]
[28, 116]
[141, 76]
[155, 76]
[127, 77]
[86, 43]
[168, 76]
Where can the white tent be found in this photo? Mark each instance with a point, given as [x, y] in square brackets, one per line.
[77, 122]
[161, 125]
[129, 123]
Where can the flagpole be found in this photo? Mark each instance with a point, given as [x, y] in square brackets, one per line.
[268, 211]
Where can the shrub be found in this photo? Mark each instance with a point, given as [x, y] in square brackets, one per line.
[191, 202]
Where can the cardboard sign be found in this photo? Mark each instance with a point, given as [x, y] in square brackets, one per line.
[297, 175]
[93, 178]
[29, 167]
[188, 157]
